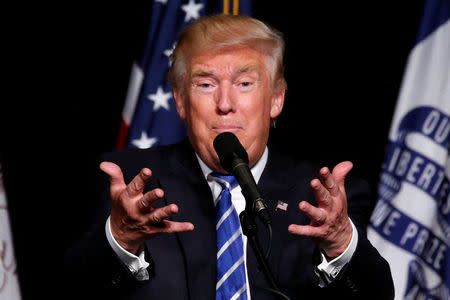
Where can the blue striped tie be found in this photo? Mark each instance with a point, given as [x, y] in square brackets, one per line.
[231, 282]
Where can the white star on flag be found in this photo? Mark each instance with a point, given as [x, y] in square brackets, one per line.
[161, 1]
[168, 52]
[192, 10]
[160, 99]
[144, 141]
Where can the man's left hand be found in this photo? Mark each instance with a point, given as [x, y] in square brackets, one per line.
[330, 226]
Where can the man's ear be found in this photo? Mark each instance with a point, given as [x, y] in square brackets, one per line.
[179, 102]
[277, 101]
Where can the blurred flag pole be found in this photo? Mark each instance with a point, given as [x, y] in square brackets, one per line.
[149, 116]
[410, 224]
[9, 283]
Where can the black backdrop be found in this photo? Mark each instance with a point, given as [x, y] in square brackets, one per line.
[344, 65]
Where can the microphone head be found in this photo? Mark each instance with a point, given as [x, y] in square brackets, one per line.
[228, 148]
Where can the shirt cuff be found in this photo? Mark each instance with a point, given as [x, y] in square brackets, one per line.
[327, 271]
[136, 264]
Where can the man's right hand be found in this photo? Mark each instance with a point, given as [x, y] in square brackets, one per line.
[133, 218]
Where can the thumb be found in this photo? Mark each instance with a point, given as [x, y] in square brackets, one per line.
[341, 170]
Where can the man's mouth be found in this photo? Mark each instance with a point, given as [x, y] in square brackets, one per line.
[226, 128]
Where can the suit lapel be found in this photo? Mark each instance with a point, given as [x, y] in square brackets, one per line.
[275, 184]
[186, 187]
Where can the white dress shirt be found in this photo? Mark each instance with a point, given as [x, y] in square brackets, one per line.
[326, 271]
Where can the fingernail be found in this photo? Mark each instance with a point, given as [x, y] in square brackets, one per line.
[159, 193]
[315, 183]
[302, 205]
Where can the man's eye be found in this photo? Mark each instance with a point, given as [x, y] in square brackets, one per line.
[246, 84]
[203, 85]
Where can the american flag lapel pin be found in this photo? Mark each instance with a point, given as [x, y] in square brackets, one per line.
[281, 205]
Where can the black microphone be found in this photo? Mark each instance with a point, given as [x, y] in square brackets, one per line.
[234, 159]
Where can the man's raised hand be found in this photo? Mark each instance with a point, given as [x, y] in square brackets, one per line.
[330, 226]
[133, 218]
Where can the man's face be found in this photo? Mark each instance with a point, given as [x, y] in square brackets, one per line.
[228, 91]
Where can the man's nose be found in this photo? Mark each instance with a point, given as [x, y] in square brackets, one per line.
[225, 101]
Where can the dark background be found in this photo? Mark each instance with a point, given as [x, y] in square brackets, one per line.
[71, 65]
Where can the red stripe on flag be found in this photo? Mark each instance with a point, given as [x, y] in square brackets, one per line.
[123, 134]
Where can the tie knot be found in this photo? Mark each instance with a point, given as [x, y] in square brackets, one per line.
[228, 181]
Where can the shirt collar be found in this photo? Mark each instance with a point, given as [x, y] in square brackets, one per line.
[257, 169]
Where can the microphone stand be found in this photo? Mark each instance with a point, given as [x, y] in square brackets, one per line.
[234, 159]
[249, 229]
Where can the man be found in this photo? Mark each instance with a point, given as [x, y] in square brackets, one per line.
[160, 240]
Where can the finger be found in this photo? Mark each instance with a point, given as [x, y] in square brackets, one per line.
[149, 199]
[317, 215]
[171, 226]
[329, 181]
[160, 214]
[341, 170]
[305, 230]
[321, 193]
[136, 186]
[114, 172]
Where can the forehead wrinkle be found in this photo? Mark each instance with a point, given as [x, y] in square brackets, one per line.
[208, 71]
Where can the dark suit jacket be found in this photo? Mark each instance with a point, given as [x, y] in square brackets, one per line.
[183, 265]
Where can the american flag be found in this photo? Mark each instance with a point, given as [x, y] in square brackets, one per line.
[149, 116]
[282, 205]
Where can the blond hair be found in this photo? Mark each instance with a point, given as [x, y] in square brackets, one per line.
[215, 32]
